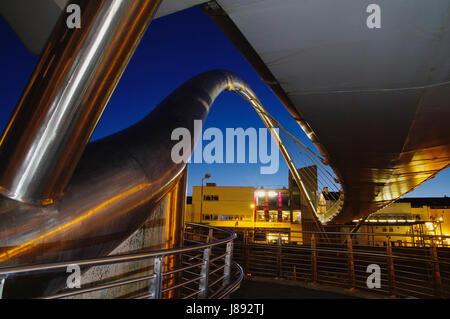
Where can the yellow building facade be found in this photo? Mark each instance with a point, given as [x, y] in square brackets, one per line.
[230, 206]
[407, 222]
[416, 218]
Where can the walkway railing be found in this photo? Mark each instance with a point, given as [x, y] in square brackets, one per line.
[391, 265]
[203, 268]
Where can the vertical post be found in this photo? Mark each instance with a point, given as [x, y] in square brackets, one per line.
[314, 258]
[210, 235]
[436, 269]
[227, 269]
[201, 203]
[204, 281]
[391, 270]
[157, 281]
[351, 263]
[246, 251]
[2, 285]
[279, 258]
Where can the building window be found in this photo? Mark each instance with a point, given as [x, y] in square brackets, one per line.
[211, 197]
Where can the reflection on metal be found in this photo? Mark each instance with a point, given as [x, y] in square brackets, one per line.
[162, 275]
[378, 108]
[64, 99]
[119, 180]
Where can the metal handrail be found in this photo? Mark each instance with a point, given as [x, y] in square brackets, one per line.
[406, 271]
[156, 254]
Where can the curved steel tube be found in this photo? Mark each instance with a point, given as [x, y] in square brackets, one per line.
[66, 96]
[119, 180]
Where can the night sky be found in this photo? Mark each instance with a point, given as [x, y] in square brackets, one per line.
[174, 49]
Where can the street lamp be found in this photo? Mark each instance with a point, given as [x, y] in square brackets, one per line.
[201, 198]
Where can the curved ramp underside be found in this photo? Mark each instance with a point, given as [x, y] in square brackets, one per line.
[376, 100]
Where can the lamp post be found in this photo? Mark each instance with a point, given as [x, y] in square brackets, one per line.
[201, 196]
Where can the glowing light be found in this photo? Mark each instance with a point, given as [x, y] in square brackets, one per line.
[252, 205]
[261, 193]
[272, 194]
[26, 246]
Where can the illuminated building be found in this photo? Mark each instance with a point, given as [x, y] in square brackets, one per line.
[249, 207]
[413, 217]
[230, 206]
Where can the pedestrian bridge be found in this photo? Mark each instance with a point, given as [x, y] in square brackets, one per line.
[376, 112]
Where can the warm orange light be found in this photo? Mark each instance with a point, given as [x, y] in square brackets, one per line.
[24, 247]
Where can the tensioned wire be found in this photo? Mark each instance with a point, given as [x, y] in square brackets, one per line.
[306, 157]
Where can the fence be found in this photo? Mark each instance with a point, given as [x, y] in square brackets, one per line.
[407, 269]
[203, 268]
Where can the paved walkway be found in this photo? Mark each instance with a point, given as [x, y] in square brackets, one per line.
[271, 289]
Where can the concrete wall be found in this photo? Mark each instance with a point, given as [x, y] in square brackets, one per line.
[162, 230]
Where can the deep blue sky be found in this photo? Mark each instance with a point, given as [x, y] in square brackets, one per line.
[174, 49]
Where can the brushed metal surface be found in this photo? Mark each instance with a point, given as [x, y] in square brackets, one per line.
[65, 97]
[118, 182]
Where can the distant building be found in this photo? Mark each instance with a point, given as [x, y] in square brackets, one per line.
[249, 207]
[244, 207]
[413, 217]
[221, 205]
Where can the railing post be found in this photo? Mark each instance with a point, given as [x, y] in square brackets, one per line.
[227, 269]
[246, 251]
[315, 274]
[2, 285]
[279, 258]
[157, 281]
[351, 262]
[436, 269]
[210, 236]
[204, 281]
[391, 270]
